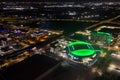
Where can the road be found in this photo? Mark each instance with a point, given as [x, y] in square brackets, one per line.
[114, 66]
[104, 21]
[78, 20]
[71, 73]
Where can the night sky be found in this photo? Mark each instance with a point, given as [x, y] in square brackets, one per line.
[58, 0]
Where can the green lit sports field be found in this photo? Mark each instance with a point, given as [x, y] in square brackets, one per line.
[81, 49]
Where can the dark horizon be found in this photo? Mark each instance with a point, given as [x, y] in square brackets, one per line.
[58, 0]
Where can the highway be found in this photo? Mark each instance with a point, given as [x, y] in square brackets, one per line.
[110, 27]
[78, 20]
[13, 19]
[104, 21]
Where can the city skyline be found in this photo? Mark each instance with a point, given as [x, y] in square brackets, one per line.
[59, 40]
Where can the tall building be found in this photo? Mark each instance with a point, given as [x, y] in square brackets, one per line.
[101, 37]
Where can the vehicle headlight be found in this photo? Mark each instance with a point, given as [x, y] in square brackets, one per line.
[85, 60]
[94, 56]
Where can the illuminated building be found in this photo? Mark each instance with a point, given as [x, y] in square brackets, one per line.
[82, 52]
[101, 37]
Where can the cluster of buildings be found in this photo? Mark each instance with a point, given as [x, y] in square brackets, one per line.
[74, 51]
[13, 39]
